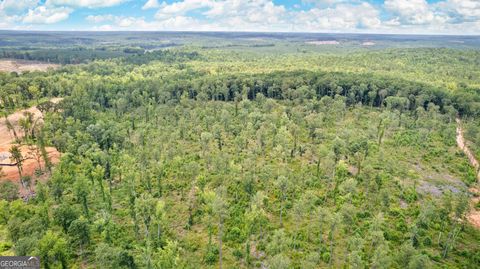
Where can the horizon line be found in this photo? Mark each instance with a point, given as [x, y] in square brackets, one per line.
[234, 31]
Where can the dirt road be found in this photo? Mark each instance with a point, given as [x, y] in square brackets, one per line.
[463, 145]
[474, 215]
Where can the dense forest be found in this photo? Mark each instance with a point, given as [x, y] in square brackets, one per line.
[83, 55]
[196, 157]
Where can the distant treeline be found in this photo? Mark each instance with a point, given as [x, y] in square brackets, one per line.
[160, 55]
[366, 89]
[133, 55]
[239, 46]
[63, 56]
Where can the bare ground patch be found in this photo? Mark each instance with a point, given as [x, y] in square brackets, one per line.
[474, 215]
[31, 163]
[20, 66]
[323, 42]
[437, 183]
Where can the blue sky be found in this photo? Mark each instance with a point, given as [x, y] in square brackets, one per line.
[362, 16]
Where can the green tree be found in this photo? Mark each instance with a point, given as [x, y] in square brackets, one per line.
[283, 186]
[279, 261]
[27, 124]
[113, 257]
[17, 158]
[169, 256]
[64, 215]
[220, 208]
[52, 250]
[79, 232]
[397, 103]
[145, 206]
[8, 190]
[159, 218]
[279, 242]
[11, 128]
[43, 151]
[82, 191]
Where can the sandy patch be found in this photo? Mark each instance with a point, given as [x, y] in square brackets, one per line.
[254, 39]
[474, 218]
[323, 42]
[20, 66]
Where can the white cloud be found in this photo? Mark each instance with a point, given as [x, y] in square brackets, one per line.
[342, 17]
[447, 16]
[412, 11]
[84, 3]
[9, 22]
[151, 4]
[105, 27]
[247, 15]
[391, 16]
[44, 15]
[139, 23]
[100, 18]
[403, 16]
[129, 22]
[117, 21]
[181, 8]
[181, 23]
[463, 9]
[251, 11]
[15, 6]
[325, 2]
[10, 10]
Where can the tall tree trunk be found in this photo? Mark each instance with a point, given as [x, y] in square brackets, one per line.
[220, 242]
[11, 128]
[318, 168]
[281, 212]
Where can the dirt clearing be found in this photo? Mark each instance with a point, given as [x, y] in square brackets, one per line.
[30, 153]
[20, 66]
[474, 215]
[323, 42]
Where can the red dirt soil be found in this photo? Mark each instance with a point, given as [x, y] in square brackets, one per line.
[474, 214]
[7, 140]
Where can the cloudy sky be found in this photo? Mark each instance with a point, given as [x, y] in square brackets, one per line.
[371, 16]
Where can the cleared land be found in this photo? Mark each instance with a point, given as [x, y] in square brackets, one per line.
[323, 42]
[474, 215]
[7, 140]
[21, 66]
[369, 43]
